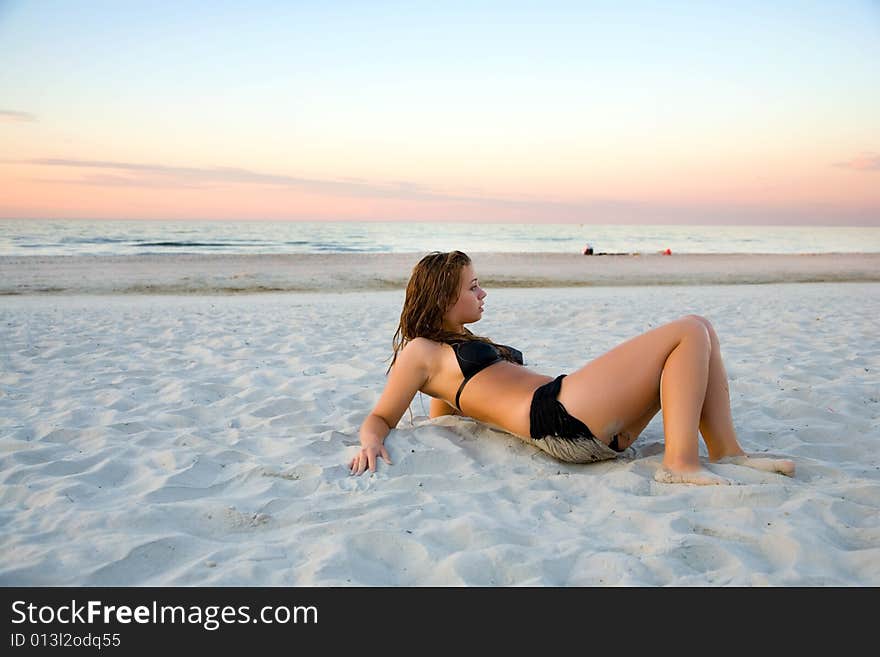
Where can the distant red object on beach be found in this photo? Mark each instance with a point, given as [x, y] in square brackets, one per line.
[667, 252]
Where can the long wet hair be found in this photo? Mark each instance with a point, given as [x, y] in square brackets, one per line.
[433, 288]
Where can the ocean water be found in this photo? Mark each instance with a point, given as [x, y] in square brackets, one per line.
[32, 237]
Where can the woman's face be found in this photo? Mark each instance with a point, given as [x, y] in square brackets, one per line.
[469, 306]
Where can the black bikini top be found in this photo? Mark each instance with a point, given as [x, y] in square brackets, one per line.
[474, 356]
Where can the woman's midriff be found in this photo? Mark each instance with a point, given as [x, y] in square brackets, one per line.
[500, 394]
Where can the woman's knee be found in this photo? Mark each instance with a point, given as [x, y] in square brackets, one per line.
[705, 322]
[697, 328]
[699, 318]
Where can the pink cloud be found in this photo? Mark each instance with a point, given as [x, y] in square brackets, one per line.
[863, 162]
[11, 116]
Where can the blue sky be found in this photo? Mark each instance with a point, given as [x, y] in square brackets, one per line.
[507, 111]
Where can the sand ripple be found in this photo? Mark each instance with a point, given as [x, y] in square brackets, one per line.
[203, 440]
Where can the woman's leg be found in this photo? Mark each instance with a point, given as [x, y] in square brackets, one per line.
[716, 424]
[630, 433]
[668, 365]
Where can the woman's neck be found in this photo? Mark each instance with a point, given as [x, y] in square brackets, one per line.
[459, 329]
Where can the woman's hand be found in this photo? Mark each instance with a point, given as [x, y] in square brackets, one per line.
[366, 457]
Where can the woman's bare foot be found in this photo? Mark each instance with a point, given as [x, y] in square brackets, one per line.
[700, 476]
[780, 466]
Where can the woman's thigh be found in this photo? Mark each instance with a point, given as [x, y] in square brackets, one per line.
[620, 387]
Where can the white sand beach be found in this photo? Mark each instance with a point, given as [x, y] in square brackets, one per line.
[197, 439]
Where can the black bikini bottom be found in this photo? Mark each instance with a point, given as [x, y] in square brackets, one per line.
[549, 419]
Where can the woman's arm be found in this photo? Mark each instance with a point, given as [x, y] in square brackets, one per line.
[409, 374]
[440, 407]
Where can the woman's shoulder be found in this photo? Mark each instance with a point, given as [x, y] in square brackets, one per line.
[421, 353]
[424, 346]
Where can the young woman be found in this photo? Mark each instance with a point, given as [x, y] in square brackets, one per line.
[588, 415]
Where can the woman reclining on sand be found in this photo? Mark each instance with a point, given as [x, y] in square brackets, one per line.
[588, 415]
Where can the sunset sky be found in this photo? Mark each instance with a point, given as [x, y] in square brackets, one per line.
[588, 112]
